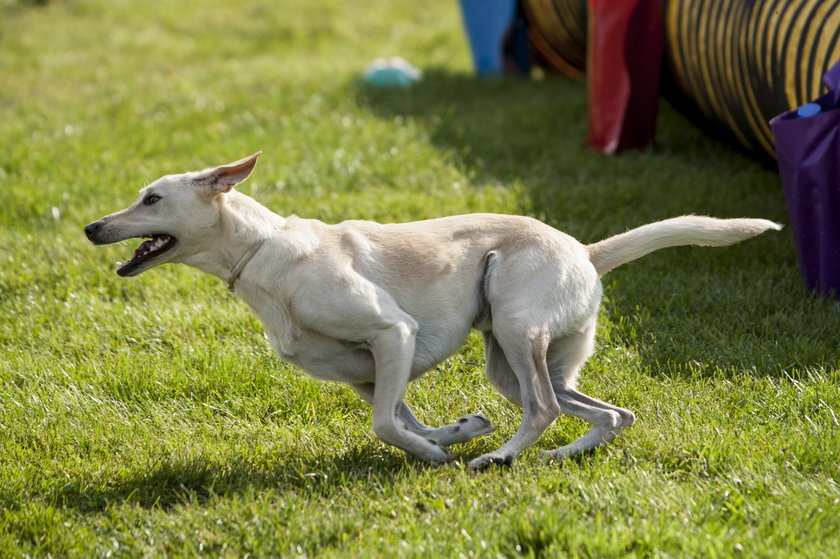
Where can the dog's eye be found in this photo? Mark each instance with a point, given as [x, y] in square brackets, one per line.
[151, 199]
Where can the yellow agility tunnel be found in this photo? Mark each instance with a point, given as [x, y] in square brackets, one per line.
[734, 63]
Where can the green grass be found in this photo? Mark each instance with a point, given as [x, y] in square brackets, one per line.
[148, 417]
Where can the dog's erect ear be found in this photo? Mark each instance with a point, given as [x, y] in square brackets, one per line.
[224, 177]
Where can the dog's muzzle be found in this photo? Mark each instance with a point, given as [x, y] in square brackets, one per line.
[91, 230]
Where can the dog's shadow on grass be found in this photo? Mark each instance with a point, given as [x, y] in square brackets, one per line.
[175, 482]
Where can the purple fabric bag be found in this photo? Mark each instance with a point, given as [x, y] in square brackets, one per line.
[808, 152]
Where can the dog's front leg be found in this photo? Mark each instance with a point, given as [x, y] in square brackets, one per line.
[393, 353]
[466, 428]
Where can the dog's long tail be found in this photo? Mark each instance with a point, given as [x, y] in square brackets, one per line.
[685, 230]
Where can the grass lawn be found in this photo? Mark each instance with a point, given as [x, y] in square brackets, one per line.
[149, 418]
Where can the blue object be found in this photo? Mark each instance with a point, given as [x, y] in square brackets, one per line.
[487, 22]
[808, 109]
[389, 73]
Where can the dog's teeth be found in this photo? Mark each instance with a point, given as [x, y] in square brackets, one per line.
[121, 263]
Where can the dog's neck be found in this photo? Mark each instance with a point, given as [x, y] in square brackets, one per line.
[242, 223]
[240, 265]
[245, 226]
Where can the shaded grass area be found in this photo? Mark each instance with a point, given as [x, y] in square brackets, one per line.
[149, 417]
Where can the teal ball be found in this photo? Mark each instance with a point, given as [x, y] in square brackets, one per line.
[391, 72]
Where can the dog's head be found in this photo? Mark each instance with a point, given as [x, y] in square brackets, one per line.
[176, 213]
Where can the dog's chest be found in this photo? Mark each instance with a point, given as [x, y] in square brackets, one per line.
[322, 357]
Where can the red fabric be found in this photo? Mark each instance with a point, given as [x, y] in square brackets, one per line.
[624, 57]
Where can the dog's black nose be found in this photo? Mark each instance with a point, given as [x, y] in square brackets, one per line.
[92, 228]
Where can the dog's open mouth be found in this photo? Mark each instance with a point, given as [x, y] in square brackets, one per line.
[154, 247]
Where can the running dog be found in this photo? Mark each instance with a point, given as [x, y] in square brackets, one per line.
[376, 305]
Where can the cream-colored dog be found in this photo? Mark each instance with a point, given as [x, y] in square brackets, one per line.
[376, 306]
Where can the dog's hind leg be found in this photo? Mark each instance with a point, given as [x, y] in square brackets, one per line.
[464, 429]
[525, 353]
[566, 357]
[607, 422]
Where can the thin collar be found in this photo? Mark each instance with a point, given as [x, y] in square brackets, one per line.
[237, 270]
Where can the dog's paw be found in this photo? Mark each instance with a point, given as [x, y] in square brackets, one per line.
[476, 423]
[434, 454]
[445, 461]
[465, 429]
[492, 459]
